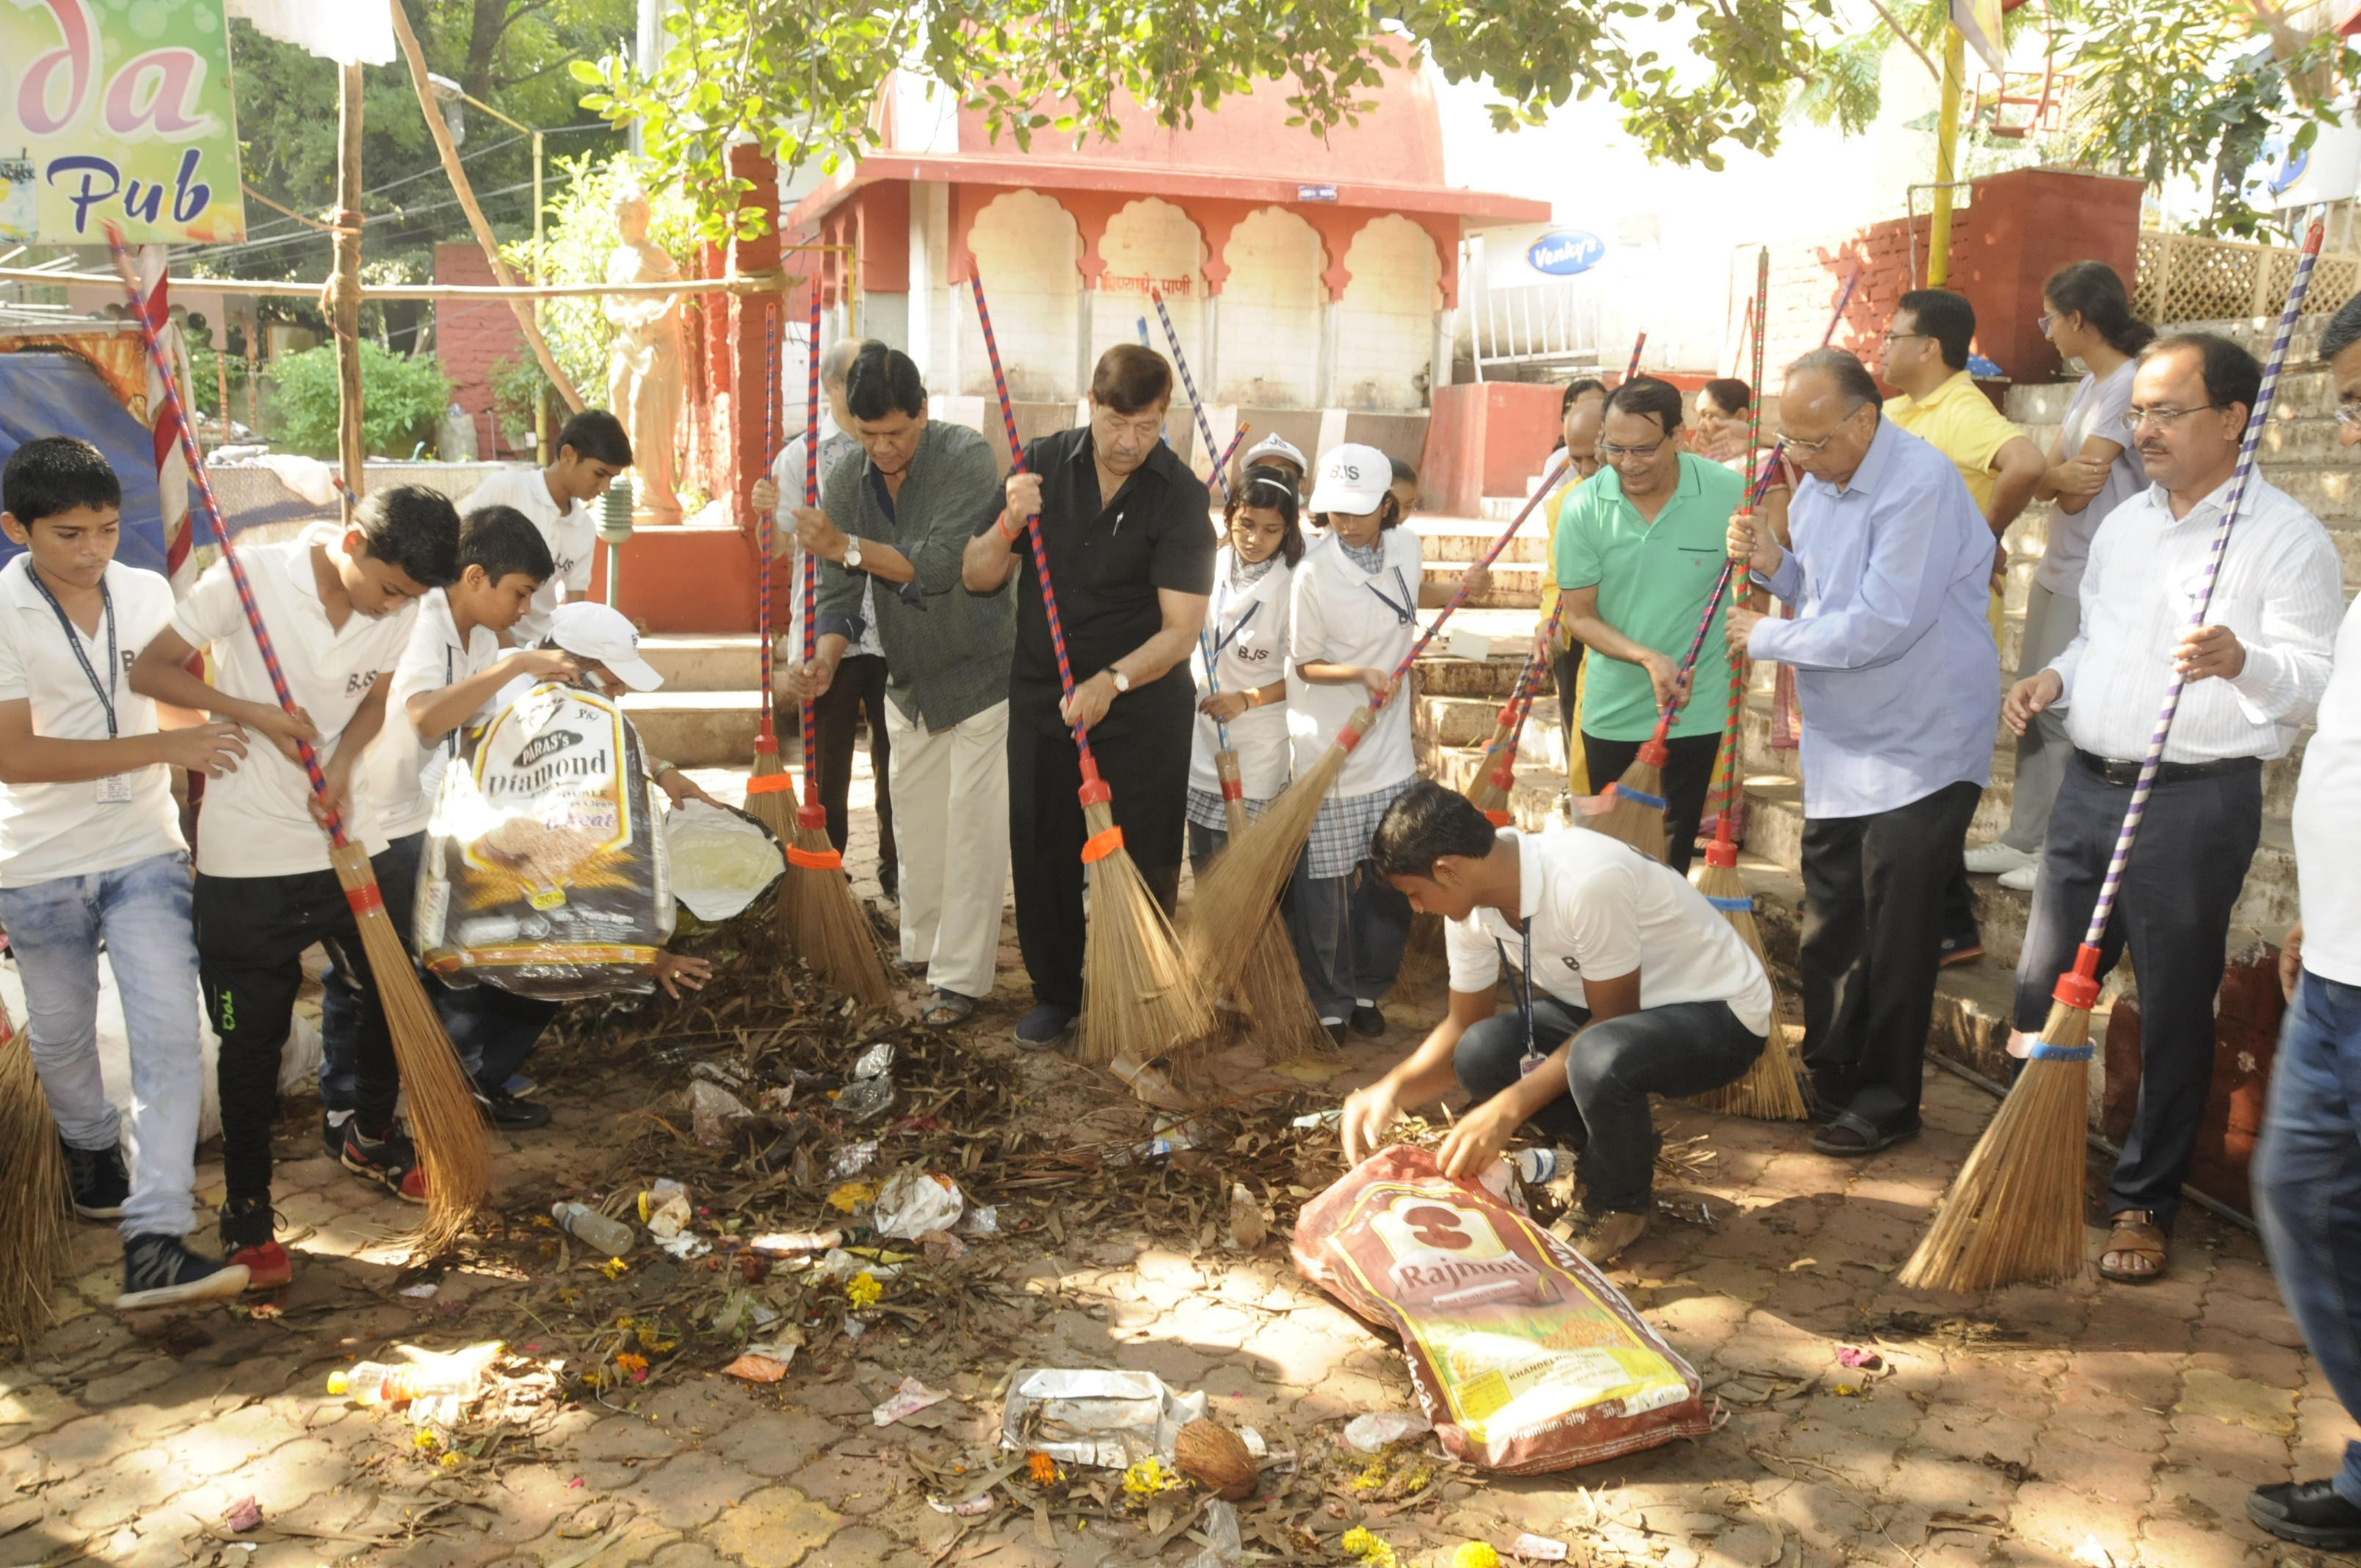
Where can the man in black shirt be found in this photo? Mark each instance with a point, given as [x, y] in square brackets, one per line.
[1131, 548]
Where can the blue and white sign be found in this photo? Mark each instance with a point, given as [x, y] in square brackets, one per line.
[1563, 252]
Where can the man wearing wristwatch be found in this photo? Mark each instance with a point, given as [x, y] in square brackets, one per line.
[1130, 545]
[892, 524]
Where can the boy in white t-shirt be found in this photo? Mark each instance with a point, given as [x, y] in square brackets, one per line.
[447, 674]
[593, 449]
[90, 851]
[338, 604]
[1631, 984]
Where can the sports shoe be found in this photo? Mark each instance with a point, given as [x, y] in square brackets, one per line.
[1600, 1238]
[96, 1178]
[247, 1241]
[2021, 879]
[1367, 1022]
[331, 1131]
[1045, 1026]
[2310, 1513]
[161, 1270]
[1961, 950]
[507, 1113]
[390, 1161]
[1993, 859]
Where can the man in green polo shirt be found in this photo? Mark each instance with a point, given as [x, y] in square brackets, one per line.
[1639, 551]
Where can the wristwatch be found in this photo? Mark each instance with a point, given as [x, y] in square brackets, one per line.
[1122, 682]
[852, 554]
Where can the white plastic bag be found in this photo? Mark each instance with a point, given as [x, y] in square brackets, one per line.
[912, 1204]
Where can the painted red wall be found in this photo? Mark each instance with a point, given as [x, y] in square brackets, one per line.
[1486, 438]
[472, 336]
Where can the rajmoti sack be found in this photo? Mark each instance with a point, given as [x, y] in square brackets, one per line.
[545, 871]
[1525, 1357]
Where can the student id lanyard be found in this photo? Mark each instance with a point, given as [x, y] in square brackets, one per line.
[1221, 643]
[1407, 610]
[114, 789]
[1533, 1057]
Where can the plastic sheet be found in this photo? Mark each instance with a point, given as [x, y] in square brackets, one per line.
[722, 860]
[1112, 1419]
[912, 1204]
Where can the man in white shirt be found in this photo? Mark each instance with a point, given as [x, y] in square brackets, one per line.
[1631, 984]
[593, 449]
[2307, 1170]
[2252, 674]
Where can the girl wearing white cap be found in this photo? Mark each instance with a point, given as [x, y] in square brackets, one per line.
[1241, 663]
[1355, 604]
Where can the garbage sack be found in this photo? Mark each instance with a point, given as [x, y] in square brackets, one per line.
[1112, 1419]
[912, 1204]
[722, 860]
[1525, 1357]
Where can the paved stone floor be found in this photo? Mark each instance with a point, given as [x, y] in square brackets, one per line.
[2102, 1426]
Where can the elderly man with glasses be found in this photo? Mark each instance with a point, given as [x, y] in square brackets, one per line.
[1901, 686]
[1638, 552]
[2254, 674]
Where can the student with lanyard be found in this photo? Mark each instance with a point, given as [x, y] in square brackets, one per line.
[1354, 614]
[1242, 659]
[1631, 985]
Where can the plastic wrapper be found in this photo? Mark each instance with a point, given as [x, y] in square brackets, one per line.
[664, 1207]
[874, 1062]
[914, 1204]
[1370, 1434]
[865, 1098]
[721, 860]
[906, 1400]
[1525, 1357]
[714, 1114]
[1224, 1549]
[1113, 1420]
[545, 872]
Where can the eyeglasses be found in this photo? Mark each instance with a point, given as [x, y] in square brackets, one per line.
[1892, 336]
[2348, 414]
[2042, 323]
[2165, 419]
[1611, 452]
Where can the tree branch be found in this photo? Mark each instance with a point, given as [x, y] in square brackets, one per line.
[1932, 68]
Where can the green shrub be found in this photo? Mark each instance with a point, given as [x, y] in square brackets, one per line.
[401, 400]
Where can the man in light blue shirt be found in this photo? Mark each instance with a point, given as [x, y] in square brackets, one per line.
[1900, 687]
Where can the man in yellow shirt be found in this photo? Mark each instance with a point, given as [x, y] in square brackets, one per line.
[1584, 407]
[1926, 358]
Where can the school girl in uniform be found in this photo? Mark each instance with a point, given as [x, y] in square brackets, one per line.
[1241, 662]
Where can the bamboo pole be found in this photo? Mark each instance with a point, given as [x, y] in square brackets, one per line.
[745, 284]
[343, 298]
[525, 315]
[1947, 149]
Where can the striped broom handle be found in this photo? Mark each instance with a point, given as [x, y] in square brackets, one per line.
[766, 740]
[1459, 594]
[1755, 328]
[1733, 740]
[1227, 452]
[1633, 369]
[1196, 404]
[1844, 297]
[812, 813]
[1500, 760]
[2080, 986]
[196, 465]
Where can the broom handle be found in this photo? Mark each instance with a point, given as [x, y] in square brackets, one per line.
[764, 739]
[1633, 369]
[1033, 526]
[1196, 404]
[813, 815]
[1844, 297]
[2083, 978]
[1733, 741]
[195, 460]
[1224, 467]
[1502, 759]
[1756, 311]
[1459, 595]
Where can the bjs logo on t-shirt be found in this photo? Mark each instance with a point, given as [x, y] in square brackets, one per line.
[359, 683]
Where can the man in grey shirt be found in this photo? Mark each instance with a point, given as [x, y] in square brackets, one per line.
[899, 513]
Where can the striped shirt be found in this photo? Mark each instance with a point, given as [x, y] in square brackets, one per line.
[2280, 590]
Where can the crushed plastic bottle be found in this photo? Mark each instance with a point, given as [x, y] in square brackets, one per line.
[425, 1375]
[1535, 1167]
[611, 1238]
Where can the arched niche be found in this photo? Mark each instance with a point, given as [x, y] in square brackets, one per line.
[1150, 244]
[1270, 313]
[1026, 248]
[1385, 323]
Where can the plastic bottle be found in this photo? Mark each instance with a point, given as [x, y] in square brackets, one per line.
[1537, 1166]
[611, 1238]
[377, 1383]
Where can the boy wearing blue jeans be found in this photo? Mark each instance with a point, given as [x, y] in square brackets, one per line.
[90, 851]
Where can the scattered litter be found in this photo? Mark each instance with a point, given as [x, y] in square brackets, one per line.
[967, 1508]
[1535, 1167]
[853, 1197]
[980, 1220]
[753, 1369]
[609, 1238]
[1085, 1417]
[1867, 1360]
[852, 1159]
[244, 1514]
[865, 1098]
[796, 1241]
[1254, 1441]
[1327, 1118]
[914, 1204]
[1215, 1458]
[685, 1246]
[714, 1073]
[664, 1209]
[874, 1062]
[1223, 1546]
[721, 860]
[1370, 1434]
[1168, 1141]
[418, 1292]
[1538, 1549]
[908, 1399]
[714, 1114]
[423, 1375]
[841, 1265]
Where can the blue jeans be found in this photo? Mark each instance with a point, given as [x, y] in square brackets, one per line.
[1687, 1047]
[2306, 1185]
[141, 911]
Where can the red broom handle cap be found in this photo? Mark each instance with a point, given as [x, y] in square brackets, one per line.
[1094, 791]
[1653, 752]
[814, 816]
[1721, 853]
[2078, 987]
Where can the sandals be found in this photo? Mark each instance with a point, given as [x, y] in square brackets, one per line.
[1852, 1134]
[947, 1008]
[2136, 1235]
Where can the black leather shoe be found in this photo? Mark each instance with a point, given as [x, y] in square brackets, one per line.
[2310, 1513]
[507, 1113]
[1368, 1022]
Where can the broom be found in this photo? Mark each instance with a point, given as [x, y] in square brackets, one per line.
[33, 1209]
[1637, 813]
[2014, 1212]
[817, 905]
[445, 1120]
[1248, 878]
[770, 789]
[1140, 998]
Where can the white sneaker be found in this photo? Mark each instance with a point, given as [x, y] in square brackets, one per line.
[2020, 879]
[1996, 858]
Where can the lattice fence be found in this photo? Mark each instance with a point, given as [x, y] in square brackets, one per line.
[2187, 278]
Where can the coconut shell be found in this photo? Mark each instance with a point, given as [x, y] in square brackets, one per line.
[1215, 1458]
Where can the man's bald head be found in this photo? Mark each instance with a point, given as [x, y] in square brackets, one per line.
[1820, 414]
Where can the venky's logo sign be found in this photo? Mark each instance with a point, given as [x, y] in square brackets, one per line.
[117, 113]
[1562, 253]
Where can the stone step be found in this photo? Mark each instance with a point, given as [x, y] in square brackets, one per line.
[696, 729]
[1456, 539]
[704, 663]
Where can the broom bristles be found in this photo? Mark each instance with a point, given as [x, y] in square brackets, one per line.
[1141, 998]
[1768, 1091]
[1278, 1011]
[1641, 827]
[828, 927]
[1247, 880]
[1424, 957]
[34, 1215]
[446, 1123]
[2014, 1212]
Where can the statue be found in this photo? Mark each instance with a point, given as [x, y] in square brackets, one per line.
[644, 368]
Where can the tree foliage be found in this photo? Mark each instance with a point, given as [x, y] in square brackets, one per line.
[404, 398]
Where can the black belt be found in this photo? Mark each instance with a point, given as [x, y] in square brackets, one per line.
[2125, 774]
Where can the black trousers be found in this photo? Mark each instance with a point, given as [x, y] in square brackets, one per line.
[1145, 764]
[2173, 911]
[1873, 930]
[1688, 774]
[858, 692]
[251, 933]
[1565, 669]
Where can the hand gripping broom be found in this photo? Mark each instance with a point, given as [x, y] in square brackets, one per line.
[1248, 878]
[770, 789]
[33, 1209]
[2014, 1212]
[822, 918]
[1140, 999]
[1637, 814]
[445, 1121]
